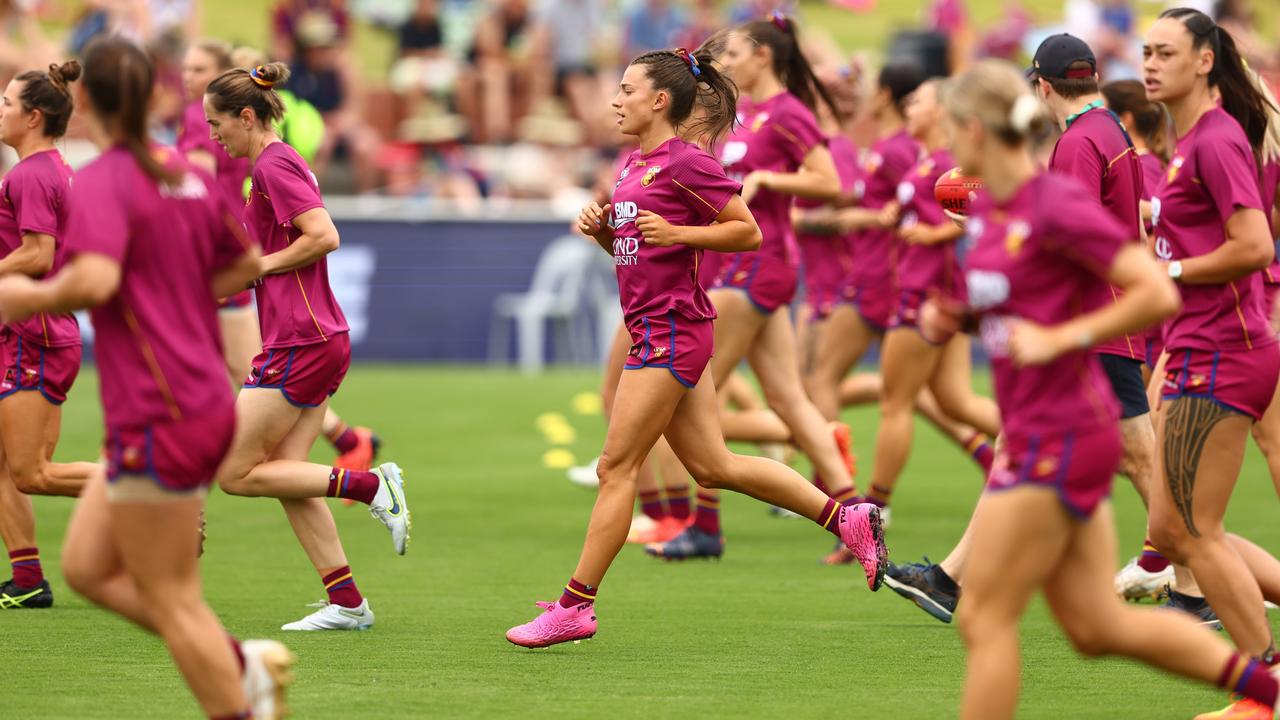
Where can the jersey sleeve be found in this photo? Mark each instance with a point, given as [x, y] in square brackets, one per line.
[1229, 176]
[35, 197]
[799, 133]
[289, 185]
[1081, 230]
[703, 186]
[97, 216]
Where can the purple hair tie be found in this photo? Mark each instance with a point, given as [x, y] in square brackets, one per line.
[689, 59]
[777, 18]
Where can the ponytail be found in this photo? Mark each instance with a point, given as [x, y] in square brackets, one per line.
[693, 81]
[1240, 96]
[779, 34]
[1150, 120]
[119, 79]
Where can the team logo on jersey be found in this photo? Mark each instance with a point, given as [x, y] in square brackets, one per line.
[1046, 466]
[1175, 166]
[925, 168]
[759, 122]
[872, 163]
[1017, 234]
[650, 176]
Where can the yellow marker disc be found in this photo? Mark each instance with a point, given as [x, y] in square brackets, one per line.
[550, 420]
[557, 459]
[587, 403]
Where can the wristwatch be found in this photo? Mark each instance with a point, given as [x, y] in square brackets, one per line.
[1175, 270]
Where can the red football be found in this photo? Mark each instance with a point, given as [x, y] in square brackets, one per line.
[954, 190]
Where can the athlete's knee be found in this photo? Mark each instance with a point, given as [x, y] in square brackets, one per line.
[611, 471]
[30, 478]
[83, 576]
[979, 624]
[1090, 635]
[710, 472]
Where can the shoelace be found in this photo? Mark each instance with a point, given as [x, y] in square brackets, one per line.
[322, 604]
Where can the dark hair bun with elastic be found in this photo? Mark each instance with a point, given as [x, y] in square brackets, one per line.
[64, 74]
[273, 73]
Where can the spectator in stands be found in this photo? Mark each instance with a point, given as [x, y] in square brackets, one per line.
[1115, 42]
[423, 68]
[494, 86]
[950, 19]
[568, 39]
[1239, 18]
[652, 25]
[1004, 39]
[325, 76]
[289, 14]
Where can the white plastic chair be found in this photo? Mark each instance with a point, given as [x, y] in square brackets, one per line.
[554, 296]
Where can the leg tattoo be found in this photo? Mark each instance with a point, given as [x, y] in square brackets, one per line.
[1187, 428]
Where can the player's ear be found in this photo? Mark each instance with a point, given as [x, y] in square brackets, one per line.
[661, 100]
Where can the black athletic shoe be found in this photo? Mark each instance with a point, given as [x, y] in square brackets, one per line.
[1195, 606]
[690, 544]
[13, 597]
[918, 582]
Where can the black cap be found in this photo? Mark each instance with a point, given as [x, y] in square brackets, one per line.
[1059, 52]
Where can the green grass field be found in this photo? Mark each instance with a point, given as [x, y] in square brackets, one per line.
[767, 632]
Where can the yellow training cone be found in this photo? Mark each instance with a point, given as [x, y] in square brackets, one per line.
[587, 403]
[557, 459]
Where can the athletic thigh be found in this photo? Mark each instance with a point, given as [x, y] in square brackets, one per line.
[737, 324]
[646, 399]
[907, 363]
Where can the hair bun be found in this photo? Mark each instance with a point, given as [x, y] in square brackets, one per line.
[64, 74]
[269, 74]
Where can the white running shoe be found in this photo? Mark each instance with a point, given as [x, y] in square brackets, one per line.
[585, 475]
[335, 617]
[267, 674]
[389, 506]
[1134, 583]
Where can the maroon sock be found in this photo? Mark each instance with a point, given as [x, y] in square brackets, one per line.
[343, 438]
[980, 450]
[706, 516]
[651, 504]
[27, 572]
[576, 593]
[821, 484]
[829, 519]
[678, 501]
[1151, 560]
[341, 586]
[1250, 678]
[878, 496]
[353, 484]
[848, 497]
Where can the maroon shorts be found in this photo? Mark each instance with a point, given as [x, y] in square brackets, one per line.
[306, 374]
[874, 302]
[907, 312]
[239, 301]
[29, 366]
[1079, 465]
[179, 456]
[822, 299]
[1243, 381]
[769, 283]
[670, 341]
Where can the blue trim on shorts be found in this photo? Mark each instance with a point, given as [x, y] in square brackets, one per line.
[646, 345]
[1058, 486]
[288, 366]
[745, 287]
[671, 320]
[1213, 379]
[17, 385]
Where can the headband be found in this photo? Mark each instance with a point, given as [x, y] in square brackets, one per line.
[689, 59]
[256, 74]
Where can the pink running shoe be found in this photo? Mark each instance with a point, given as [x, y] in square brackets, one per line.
[863, 533]
[556, 625]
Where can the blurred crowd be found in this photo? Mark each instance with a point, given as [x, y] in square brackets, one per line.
[494, 99]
